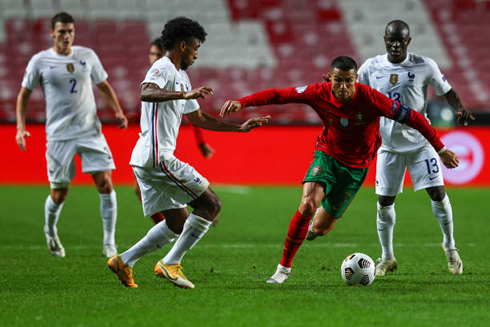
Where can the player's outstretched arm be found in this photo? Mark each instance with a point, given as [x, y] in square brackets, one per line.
[20, 113]
[229, 107]
[110, 97]
[449, 158]
[201, 119]
[464, 115]
[150, 92]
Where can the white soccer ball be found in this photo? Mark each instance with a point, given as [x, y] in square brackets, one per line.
[358, 269]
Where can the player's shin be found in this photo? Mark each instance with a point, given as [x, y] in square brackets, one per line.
[385, 223]
[108, 211]
[194, 229]
[51, 214]
[444, 214]
[157, 237]
[298, 228]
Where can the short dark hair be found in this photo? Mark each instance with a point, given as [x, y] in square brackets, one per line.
[181, 29]
[344, 63]
[62, 17]
[158, 43]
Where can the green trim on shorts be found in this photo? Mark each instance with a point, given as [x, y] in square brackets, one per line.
[341, 182]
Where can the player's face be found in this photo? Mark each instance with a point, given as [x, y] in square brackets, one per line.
[343, 84]
[154, 54]
[63, 35]
[397, 42]
[190, 53]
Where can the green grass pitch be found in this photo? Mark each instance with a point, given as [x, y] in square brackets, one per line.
[231, 264]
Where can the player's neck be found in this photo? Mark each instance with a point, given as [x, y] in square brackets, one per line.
[174, 58]
[61, 51]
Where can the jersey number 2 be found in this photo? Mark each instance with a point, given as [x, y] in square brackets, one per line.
[73, 83]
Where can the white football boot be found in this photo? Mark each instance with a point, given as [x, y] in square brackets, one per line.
[311, 235]
[385, 265]
[280, 276]
[54, 244]
[454, 263]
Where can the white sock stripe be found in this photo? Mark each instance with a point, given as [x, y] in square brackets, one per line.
[198, 223]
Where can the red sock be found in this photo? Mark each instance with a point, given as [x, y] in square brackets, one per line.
[298, 228]
[158, 217]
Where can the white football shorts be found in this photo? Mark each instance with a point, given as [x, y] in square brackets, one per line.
[60, 156]
[423, 166]
[171, 185]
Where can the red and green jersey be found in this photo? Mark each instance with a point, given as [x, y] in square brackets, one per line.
[351, 129]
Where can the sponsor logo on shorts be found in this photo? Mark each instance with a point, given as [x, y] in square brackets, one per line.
[197, 180]
[344, 122]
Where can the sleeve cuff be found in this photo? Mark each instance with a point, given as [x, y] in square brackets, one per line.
[441, 151]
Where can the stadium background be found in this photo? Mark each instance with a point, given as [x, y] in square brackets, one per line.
[252, 45]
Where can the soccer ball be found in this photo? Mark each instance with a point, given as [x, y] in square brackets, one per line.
[358, 269]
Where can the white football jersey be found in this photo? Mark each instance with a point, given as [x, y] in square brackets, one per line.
[66, 82]
[160, 121]
[406, 82]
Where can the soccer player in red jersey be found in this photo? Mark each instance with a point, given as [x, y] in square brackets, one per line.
[350, 113]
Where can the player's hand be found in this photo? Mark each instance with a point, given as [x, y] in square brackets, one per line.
[123, 121]
[20, 138]
[254, 123]
[463, 117]
[229, 107]
[449, 159]
[206, 150]
[200, 92]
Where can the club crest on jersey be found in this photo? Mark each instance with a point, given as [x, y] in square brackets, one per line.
[316, 170]
[301, 89]
[344, 122]
[393, 79]
[182, 87]
[70, 68]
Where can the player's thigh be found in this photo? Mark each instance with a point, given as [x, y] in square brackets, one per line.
[154, 197]
[95, 154]
[390, 173]
[172, 185]
[425, 170]
[60, 159]
[349, 181]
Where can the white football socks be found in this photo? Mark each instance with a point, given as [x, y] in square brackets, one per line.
[444, 214]
[157, 237]
[385, 222]
[108, 211]
[194, 229]
[51, 214]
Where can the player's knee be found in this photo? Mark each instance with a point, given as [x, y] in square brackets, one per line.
[214, 205]
[105, 186]
[437, 193]
[386, 201]
[308, 208]
[59, 197]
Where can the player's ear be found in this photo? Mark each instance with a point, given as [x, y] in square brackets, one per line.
[327, 77]
[183, 46]
[409, 40]
[51, 32]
